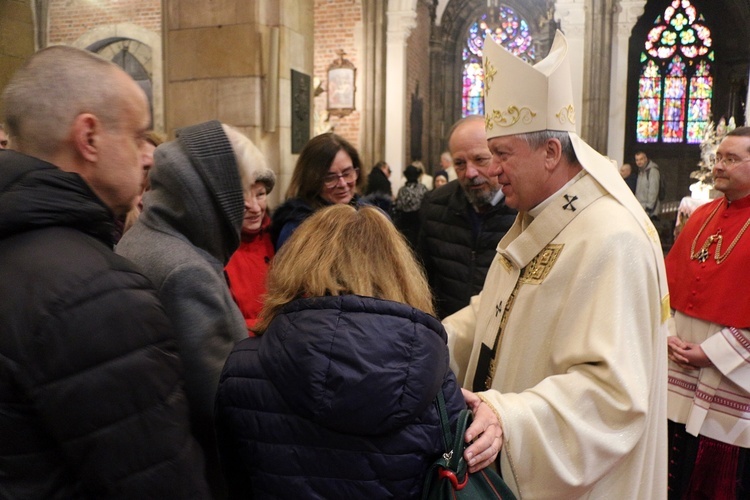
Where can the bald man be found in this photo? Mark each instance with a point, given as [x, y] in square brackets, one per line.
[91, 388]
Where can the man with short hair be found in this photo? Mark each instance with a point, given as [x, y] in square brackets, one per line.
[446, 163]
[647, 184]
[565, 346]
[91, 387]
[709, 375]
[463, 221]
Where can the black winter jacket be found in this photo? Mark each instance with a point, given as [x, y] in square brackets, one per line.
[335, 401]
[456, 258]
[91, 397]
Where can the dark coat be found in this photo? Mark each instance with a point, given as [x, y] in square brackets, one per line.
[457, 245]
[335, 400]
[293, 212]
[378, 182]
[91, 392]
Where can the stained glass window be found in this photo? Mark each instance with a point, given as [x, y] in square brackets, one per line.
[507, 29]
[676, 83]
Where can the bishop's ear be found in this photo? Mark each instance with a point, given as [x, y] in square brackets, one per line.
[552, 153]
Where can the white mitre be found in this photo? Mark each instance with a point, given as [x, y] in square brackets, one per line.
[520, 98]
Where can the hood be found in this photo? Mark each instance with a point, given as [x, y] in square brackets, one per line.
[355, 364]
[196, 190]
[35, 194]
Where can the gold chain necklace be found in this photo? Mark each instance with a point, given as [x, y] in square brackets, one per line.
[702, 254]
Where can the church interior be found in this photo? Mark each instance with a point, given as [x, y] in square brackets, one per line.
[666, 77]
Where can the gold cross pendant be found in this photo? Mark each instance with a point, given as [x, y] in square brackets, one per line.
[703, 255]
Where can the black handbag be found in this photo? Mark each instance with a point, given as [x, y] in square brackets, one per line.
[449, 478]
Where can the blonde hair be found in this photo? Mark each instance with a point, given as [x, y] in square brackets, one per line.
[340, 250]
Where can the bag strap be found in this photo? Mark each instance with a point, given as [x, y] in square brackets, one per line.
[444, 422]
[454, 445]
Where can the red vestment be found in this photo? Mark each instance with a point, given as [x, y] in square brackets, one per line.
[709, 290]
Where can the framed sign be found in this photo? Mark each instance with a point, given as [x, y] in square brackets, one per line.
[341, 86]
[300, 110]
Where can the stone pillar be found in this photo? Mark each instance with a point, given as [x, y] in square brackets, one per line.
[596, 74]
[16, 37]
[402, 15]
[216, 59]
[571, 18]
[372, 131]
[628, 12]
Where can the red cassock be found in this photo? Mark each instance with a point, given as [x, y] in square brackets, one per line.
[708, 267]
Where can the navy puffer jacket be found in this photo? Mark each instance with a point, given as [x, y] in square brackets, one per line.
[335, 400]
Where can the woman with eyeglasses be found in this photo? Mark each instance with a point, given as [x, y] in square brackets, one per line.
[334, 397]
[326, 173]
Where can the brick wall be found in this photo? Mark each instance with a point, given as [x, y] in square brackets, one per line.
[335, 24]
[69, 19]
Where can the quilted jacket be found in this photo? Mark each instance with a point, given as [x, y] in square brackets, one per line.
[335, 400]
[91, 391]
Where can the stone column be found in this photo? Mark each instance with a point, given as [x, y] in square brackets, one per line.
[372, 131]
[628, 12]
[571, 18]
[596, 74]
[216, 59]
[402, 15]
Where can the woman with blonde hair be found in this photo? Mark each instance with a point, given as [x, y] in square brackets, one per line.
[334, 398]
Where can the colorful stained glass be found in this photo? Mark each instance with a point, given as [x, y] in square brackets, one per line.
[674, 97]
[509, 30]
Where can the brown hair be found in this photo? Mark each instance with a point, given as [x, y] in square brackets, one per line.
[313, 164]
[340, 250]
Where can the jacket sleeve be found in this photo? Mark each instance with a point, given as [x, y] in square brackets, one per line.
[229, 404]
[107, 382]
[728, 350]
[653, 187]
[208, 324]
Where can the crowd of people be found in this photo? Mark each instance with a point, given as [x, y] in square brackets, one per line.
[167, 335]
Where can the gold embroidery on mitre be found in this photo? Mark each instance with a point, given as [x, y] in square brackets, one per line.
[541, 265]
[508, 118]
[665, 309]
[567, 113]
[489, 74]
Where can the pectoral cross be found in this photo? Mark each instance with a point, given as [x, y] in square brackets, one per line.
[702, 255]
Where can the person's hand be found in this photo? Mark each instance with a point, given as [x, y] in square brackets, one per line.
[485, 431]
[687, 354]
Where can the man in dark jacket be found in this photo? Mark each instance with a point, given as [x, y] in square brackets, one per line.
[463, 221]
[378, 190]
[91, 391]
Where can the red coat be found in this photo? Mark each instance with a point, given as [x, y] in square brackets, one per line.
[247, 271]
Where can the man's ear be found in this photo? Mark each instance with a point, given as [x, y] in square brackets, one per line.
[552, 153]
[86, 136]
